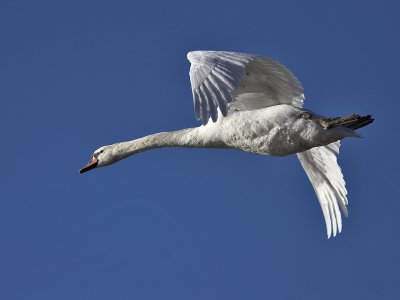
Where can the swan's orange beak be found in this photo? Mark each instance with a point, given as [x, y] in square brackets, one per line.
[90, 165]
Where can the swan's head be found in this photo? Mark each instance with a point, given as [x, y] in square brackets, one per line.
[103, 156]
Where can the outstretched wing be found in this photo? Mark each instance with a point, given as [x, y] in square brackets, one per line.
[238, 81]
[321, 167]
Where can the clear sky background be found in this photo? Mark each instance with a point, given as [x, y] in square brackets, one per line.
[189, 223]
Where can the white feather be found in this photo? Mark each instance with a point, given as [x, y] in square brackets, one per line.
[239, 81]
[321, 167]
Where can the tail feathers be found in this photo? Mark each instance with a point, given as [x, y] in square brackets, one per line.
[352, 122]
[361, 122]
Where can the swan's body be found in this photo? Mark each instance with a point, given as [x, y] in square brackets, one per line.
[256, 106]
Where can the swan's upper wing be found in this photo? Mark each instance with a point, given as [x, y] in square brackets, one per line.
[321, 166]
[239, 81]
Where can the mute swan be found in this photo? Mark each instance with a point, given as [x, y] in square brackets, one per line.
[255, 105]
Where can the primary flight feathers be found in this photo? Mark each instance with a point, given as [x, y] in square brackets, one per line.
[239, 81]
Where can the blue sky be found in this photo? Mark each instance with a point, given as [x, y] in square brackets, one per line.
[189, 223]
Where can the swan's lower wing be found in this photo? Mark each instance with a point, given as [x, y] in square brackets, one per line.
[321, 167]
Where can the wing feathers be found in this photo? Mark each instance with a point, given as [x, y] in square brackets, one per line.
[219, 94]
[239, 81]
[197, 104]
[320, 165]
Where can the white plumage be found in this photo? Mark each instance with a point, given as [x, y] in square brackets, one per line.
[321, 166]
[239, 81]
[255, 105]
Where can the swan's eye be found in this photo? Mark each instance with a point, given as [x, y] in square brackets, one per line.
[306, 115]
[101, 151]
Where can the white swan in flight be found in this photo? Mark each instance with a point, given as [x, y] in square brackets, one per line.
[255, 105]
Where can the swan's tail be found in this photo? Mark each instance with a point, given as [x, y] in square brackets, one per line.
[352, 122]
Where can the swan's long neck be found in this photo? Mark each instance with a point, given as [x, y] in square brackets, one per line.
[190, 138]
